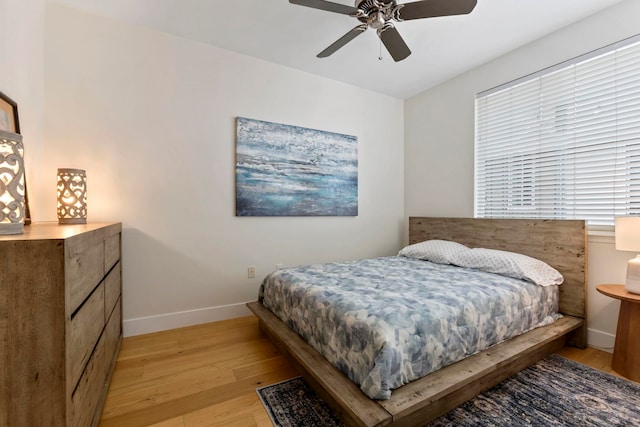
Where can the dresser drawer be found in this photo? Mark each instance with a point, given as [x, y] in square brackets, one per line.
[85, 329]
[84, 270]
[86, 397]
[93, 382]
[113, 330]
[111, 251]
[112, 290]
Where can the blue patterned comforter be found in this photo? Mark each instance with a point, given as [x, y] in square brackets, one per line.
[387, 321]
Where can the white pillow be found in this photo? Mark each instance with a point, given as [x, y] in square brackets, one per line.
[439, 251]
[508, 264]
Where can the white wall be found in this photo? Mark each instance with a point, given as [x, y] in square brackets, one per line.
[439, 142]
[151, 117]
[22, 76]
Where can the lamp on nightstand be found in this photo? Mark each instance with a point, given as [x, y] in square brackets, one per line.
[11, 183]
[628, 239]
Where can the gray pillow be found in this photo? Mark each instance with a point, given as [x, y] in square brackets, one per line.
[508, 264]
[439, 251]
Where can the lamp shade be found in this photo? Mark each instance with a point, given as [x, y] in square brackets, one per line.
[11, 183]
[72, 196]
[628, 233]
[628, 239]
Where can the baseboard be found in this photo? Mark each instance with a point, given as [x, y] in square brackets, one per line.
[163, 322]
[600, 340]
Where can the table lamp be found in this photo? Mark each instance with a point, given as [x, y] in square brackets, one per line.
[72, 196]
[628, 239]
[11, 183]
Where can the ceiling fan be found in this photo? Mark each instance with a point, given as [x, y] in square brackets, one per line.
[378, 15]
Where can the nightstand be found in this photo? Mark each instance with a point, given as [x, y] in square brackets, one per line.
[626, 353]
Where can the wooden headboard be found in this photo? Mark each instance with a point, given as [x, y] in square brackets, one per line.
[560, 243]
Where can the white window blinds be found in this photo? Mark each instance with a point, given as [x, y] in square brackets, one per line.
[564, 142]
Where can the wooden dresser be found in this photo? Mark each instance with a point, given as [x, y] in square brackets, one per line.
[60, 323]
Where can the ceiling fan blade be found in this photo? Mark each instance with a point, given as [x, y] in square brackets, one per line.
[434, 8]
[326, 5]
[355, 32]
[394, 43]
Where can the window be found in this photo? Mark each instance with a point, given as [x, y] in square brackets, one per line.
[564, 142]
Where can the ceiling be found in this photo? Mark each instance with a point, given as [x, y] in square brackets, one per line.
[290, 35]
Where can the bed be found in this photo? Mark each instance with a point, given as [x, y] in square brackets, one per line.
[558, 243]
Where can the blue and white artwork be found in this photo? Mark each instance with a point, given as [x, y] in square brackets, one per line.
[284, 170]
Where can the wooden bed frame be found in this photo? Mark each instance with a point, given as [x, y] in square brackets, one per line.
[560, 243]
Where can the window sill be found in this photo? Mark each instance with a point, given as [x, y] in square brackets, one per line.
[601, 235]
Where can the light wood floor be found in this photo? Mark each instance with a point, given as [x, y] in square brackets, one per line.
[206, 375]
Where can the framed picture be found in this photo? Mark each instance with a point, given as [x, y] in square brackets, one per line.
[8, 114]
[284, 170]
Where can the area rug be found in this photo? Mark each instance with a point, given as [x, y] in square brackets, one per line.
[554, 392]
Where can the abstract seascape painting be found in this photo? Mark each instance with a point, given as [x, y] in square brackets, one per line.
[284, 170]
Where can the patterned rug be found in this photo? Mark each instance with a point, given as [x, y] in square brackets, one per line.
[553, 392]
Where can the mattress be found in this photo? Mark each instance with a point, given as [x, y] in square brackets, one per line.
[385, 322]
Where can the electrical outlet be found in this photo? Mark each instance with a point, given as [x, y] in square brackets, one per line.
[251, 272]
[279, 266]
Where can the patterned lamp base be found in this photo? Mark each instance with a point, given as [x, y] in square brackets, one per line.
[11, 183]
[72, 196]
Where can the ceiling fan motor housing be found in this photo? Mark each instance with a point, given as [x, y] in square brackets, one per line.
[375, 12]
[371, 4]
